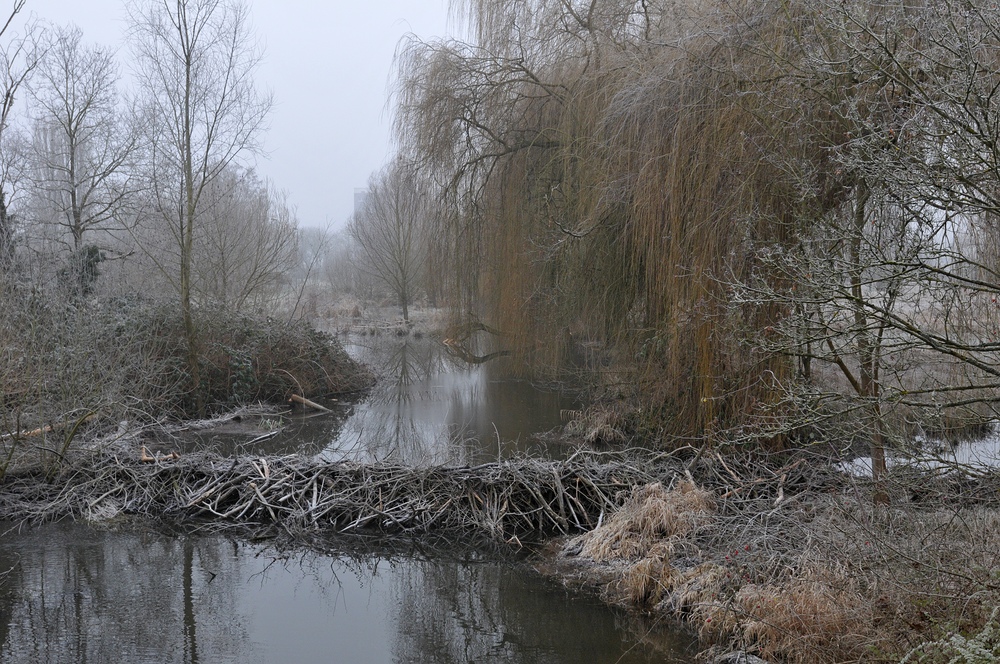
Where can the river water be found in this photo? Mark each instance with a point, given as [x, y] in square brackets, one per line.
[427, 408]
[71, 593]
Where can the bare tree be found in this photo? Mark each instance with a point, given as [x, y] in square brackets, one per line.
[337, 271]
[389, 231]
[18, 58]
[245, 244]
[83, 140]
[196, 60]
[887, 277]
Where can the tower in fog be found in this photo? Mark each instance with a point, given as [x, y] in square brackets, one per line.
[360, 196]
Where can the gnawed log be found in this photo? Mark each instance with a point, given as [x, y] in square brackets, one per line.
[306, 402]
[146, 457]
[48, 428]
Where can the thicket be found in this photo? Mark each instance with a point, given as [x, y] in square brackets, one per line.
[762, 222]
[123, 358]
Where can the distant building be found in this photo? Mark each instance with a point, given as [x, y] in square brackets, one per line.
[360, 196]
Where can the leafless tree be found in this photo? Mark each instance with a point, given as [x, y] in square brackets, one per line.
[18, 58]
[389, 230]
[337, 271]
[196, 60]
[313, 245]
[83, 140]
[890, 280]
[246, 240]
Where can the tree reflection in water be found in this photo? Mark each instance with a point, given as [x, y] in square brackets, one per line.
[430, 407]
[451, 614]
[75, 594]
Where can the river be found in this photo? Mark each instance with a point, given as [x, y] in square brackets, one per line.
[75, 594]
[72, 593]
[427, 408]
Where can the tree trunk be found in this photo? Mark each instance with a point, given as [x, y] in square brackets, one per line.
[6, 232]
[187, 247]
[868, 358]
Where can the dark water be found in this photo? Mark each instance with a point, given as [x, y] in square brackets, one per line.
[69, 593]
[72, 594]
[428, 407]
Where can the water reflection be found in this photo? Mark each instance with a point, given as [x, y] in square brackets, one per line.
[427, 407]
[486, 613]
[430, 407]
[74, 594]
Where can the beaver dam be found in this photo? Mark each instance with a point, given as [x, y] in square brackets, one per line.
[507, 499]
[311, 592]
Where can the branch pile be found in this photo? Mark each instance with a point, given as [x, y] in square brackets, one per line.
[501, 500]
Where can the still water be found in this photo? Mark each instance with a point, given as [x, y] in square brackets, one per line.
[69, 593]
[427, 408]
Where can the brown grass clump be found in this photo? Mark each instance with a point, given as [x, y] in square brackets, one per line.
[698, 589]
[646, 581]
[597, 426]
[652, 514]
[818, 610]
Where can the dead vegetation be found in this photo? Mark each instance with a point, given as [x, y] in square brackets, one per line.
[651, 518]
[499, 501]
[795, 565]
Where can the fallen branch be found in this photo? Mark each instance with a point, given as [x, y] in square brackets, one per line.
[48, 428]
[306, 402]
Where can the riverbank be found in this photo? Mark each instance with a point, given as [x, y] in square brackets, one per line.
[795, 563]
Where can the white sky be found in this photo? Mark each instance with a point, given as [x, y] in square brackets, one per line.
[328, 64]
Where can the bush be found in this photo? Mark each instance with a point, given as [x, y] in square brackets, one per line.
[980, 648]
[124, 358]
[247, 359]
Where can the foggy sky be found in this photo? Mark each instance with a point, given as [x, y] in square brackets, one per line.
[327, 63]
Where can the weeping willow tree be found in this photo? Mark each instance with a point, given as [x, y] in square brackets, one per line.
[606, 164]
[756, 210]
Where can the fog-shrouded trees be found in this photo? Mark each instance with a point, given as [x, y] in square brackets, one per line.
[202, 112]
[390, 229]
[18, 58]
[82, 146]
[83, 136]
[245, 243]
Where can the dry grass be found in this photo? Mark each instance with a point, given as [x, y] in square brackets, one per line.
[818, 609]
[820, 575]
[597, 426]
[651, 516]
